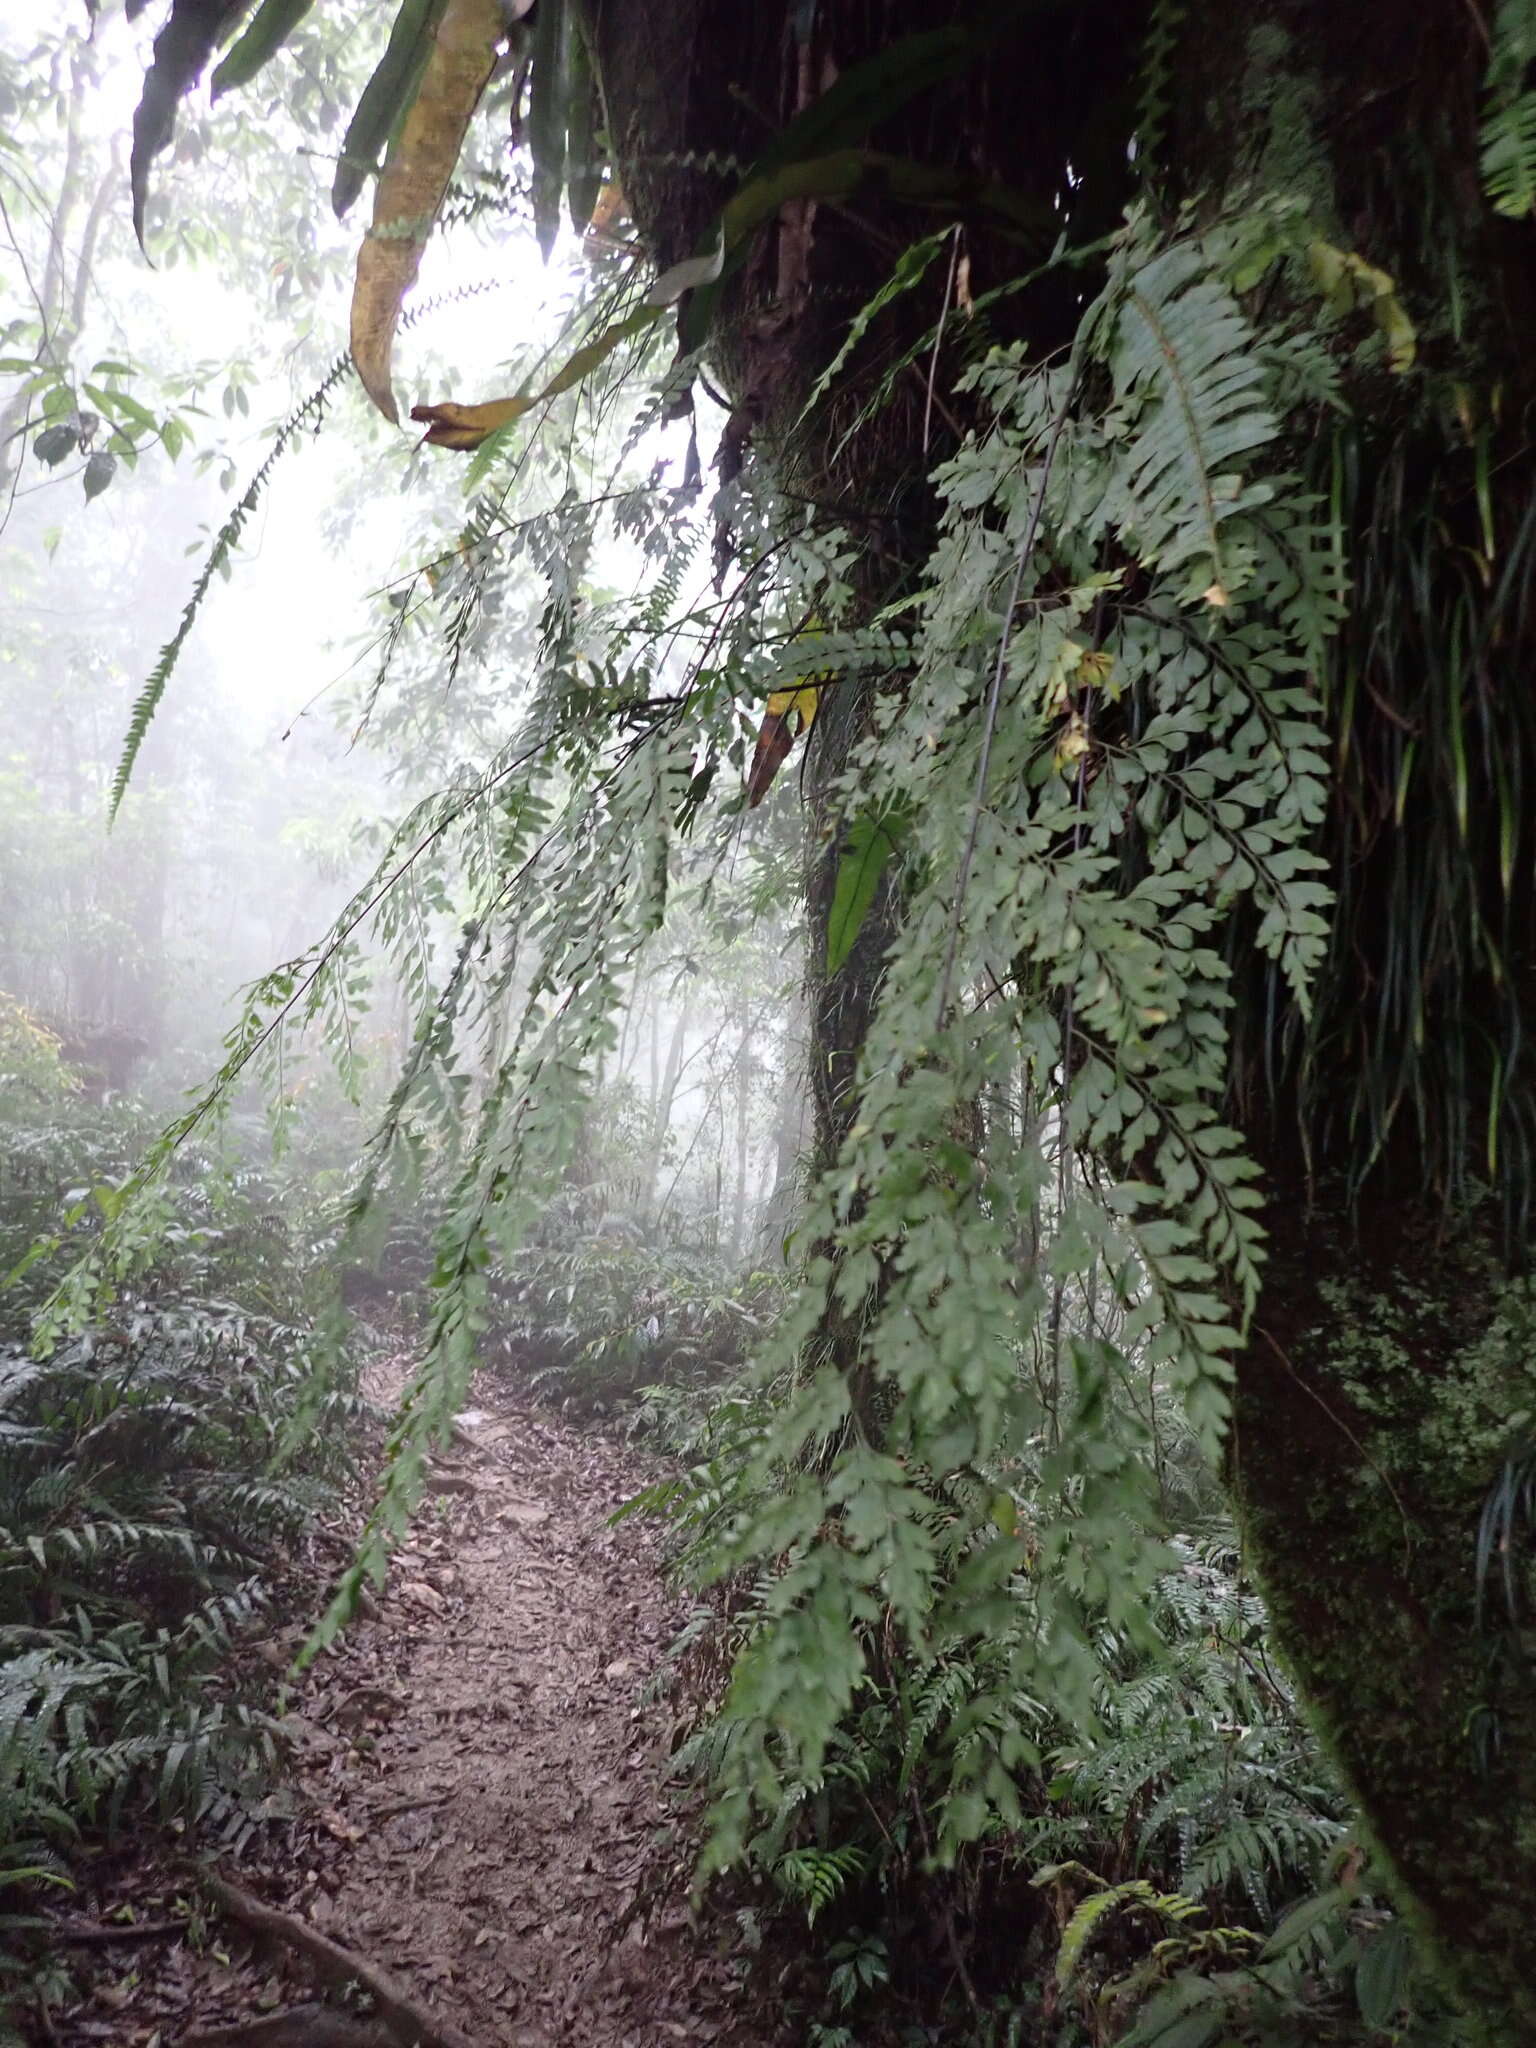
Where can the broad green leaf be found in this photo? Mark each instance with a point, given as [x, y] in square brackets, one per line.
[872, 838]
[55, 445]
[274, 23]
[583, 166]
[548, 98]
[1383, 1973]
[181, 52]
[385, 98]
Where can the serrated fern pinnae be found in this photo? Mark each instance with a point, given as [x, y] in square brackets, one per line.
[141, 1504]
[307, 416]
[1097, 707]
[1156, 763]
[1508, 136]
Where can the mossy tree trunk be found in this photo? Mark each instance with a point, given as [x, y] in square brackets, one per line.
[1392, 1357]
[1373, 1408]
[1373, 1405]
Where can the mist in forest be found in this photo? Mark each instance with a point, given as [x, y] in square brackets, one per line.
[300, 723]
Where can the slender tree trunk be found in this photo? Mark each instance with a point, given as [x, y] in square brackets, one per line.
[791, 1139]
[743, 1105]
[665, 1094]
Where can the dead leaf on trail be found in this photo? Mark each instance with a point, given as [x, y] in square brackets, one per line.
[527, 1513]
[415, 177]
[420, 1594]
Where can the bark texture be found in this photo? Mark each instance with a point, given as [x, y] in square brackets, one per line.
[1375, 1401]
[1372, 1412]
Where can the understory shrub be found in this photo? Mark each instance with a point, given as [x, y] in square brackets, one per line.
[158, 1467]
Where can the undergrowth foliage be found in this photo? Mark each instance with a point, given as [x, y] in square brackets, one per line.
[1097, 745]
[946, 1631]
[145, 1497]
[1105, 746]
[1096, 755]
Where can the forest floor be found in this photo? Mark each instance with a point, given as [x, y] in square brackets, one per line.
[474, 1808]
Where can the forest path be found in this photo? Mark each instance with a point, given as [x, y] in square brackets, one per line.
[475, 1799]
[498, 1835]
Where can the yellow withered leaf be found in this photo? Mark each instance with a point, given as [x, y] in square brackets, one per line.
[1072, 742]
[777, 734]
[803, 699]
[1347, 282]
[466, 426]
[451, 425]
[1095, 669]
[415, 177]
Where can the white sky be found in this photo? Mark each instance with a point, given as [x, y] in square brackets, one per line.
[292, 604]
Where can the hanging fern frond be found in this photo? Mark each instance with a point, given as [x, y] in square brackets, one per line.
[227, 539]
[1508, 137]
[1192, 396]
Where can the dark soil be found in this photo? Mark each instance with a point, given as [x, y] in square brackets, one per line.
[475, 1802]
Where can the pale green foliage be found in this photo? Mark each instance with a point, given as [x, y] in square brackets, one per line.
[1509, 118]
[1097, 724]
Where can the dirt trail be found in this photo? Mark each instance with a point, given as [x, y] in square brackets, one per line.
[478, 1807]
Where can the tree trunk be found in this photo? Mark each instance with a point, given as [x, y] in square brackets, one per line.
[1373, 1403]
[1372, 1410]
[665, 1093]
[743, 1104]
[791, 1137]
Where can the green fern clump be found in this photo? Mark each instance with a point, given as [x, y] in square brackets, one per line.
[599, 1305]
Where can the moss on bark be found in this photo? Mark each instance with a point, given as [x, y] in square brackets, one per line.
[1373, 1413]
[1372, 1404]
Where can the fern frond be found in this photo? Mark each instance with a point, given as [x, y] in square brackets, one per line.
[147, 703]
[1508, 136]
[1508, 156]
[1191, 394]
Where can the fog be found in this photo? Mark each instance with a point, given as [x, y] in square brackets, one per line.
[286, 746]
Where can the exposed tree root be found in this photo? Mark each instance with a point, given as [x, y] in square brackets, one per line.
[407, 2022]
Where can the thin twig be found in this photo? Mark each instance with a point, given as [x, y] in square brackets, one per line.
[938, 334]
[98, 1935]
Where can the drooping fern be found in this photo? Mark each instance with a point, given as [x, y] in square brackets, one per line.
[1508, 137]
[147, 703]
